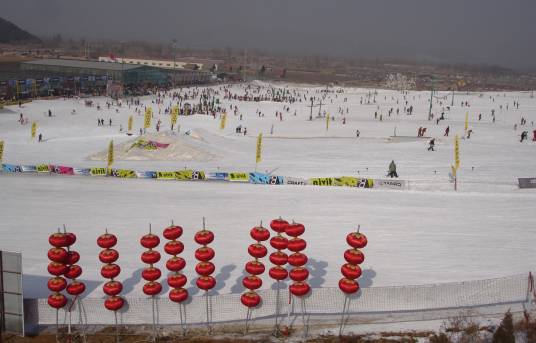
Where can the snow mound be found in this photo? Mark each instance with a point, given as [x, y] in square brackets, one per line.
[181, 148]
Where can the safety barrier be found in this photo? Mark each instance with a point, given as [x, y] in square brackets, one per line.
[199, 175]
[420, 302]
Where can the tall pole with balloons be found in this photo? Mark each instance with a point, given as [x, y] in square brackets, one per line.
[205, 268]
[252, 282]
[151, 274]
[110, 271]
[75, 288]
[57, 268]
[299, 273]
[351, 271]
[176, 280]
[279, 259]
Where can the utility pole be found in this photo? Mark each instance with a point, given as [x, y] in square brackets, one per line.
[431, 99]
[311, 115]
[174, 60]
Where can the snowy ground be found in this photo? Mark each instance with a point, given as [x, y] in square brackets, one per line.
[426, 234]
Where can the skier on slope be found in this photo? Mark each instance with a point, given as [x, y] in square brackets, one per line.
[447, 130]
[392, 170]
[431, 144]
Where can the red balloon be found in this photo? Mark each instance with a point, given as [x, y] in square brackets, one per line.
[56, 284]
[259, 233]
[279, 258]
[152, 288]
[150, 256]
[177, 280]
[351, 271]
[299, 274]
[110, 271]
[205, 268]
[279, 242]
[356, 240]
[106, 241]
[178, 295]
[299, 289]
[297, 259]
[112, 288]
[108, 256]
[278, 225]
[295, 229]
[172, 232]
[296, 244]
[255, 267]
[57, 269]
[252, 282]
[205, 282]
[354, 256]
[278, 273]
[250, 299]
[76, 288]
[173, 247]
[72, 257]
[114, 303]
[58, 255]
[58, 240]
[73, 271]
[71, 238]
[57, 300]
[257, 250]
[348, 286]
[151, 274]
[204, 254]
[175, 264]
[150, 241]
[204, 237]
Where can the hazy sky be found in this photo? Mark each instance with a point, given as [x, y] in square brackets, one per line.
[472, 31]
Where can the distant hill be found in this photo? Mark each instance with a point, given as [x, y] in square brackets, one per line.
[11, 33]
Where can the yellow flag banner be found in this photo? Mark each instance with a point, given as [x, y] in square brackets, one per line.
[223, 121]
[148, 115]
[130, 122]
[34, 129]
[327, 122]
[174, 115]
[111, 154]
[466, 121]
[1, 151]
[258, 156]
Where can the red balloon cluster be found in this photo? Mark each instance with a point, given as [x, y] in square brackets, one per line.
[278, 242]
[205, 268]
[354, 257]
[110, 270]
[297, 259]
[151, 274]
[255, 268]
[175, 264]
[63, 263]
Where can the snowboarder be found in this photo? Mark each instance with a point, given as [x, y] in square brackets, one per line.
[357, 133]
[392, 170]
[40, 137]
[447, 130]
[49, 113]
[431, 144]
[524, 136]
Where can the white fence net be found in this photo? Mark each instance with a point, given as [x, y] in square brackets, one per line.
[484, 296]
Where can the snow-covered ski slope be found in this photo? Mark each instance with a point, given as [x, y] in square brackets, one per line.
[426, 234]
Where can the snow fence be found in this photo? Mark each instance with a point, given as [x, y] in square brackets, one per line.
[374, 304]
